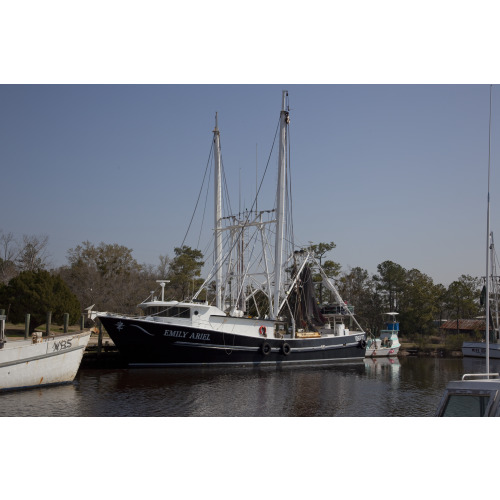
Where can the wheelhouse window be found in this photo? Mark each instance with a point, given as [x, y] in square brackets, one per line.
[169, 312]
[466, 405]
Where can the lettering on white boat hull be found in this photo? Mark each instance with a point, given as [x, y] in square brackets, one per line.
[59, 346]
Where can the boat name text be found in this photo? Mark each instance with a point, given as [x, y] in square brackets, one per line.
[63, 344]
[187, 335]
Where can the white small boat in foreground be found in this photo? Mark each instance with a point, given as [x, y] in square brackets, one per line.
[387, 344]
[476, 395]
[40, 361]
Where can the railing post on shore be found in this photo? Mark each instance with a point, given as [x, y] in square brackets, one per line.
[66, 322]
[27, 325]
[82, 321]
[47, 326]
[99, 340]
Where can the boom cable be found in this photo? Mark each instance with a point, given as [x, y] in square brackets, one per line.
[199, 194]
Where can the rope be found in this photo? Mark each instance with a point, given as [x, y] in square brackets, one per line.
[204, 211]
[199, 194]
[223, 261]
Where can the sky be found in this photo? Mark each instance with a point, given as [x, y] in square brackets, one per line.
[106, 123]
[387, 172]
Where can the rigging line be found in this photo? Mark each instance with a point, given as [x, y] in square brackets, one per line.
[265, 170]
[290, 198]
[248, 216]
[204, 211]
[199, 194]
[251, 263]
[227, 198]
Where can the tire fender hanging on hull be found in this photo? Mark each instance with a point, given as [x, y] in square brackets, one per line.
[265, 348]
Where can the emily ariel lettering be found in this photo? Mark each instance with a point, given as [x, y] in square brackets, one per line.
[187, 335]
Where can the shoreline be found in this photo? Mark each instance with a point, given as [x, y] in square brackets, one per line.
[110, 358]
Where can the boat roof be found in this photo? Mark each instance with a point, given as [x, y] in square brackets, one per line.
[201, 306]
[476, 380]
[474, 386]
[171, 303]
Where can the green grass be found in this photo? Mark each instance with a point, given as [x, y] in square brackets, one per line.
[17, 330]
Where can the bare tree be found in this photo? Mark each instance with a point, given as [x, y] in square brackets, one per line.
[163, 266]
[8, 255]
[33, 253]
[108, 276]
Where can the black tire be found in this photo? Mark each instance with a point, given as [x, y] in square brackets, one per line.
[265, 348]
[362, 344]
[286, 349]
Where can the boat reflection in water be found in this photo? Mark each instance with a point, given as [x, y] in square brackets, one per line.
[383, 368]
[405, 387]
[478, 365]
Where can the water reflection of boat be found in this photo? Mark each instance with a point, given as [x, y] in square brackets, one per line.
[387, 344]
[478, 365]
[387, 367]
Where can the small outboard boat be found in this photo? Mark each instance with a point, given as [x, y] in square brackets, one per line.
[476, 395]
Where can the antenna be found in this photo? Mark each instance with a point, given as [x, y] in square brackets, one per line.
[162, 284]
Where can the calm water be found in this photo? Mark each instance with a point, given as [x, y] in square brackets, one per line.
[405, 387]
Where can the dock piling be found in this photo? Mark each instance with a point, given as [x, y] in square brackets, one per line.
[27, 325]
[99, 340]
[49, 320]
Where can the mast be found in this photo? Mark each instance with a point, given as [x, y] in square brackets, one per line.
[488, 255]
[280, 209]
[218, 215]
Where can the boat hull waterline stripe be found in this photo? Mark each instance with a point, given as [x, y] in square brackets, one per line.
[41, 356]
[275, 349]
[258, 363]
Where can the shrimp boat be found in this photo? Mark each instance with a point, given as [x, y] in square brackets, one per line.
[387, 344]
[264, 310]
[40, 361]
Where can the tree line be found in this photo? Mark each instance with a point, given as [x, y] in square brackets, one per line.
[108, 277]
[105, 275]
[421, 304]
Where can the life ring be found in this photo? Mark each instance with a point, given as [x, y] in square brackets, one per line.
[285, 349]
[262, 330]
[265, 348]
[362, 344]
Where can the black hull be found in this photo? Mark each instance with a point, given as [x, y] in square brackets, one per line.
[146, 343]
